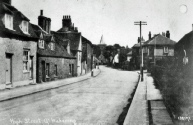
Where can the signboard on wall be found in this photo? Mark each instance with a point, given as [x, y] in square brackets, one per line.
[158, 52]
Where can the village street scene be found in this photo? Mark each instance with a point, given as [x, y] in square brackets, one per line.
[96, 62]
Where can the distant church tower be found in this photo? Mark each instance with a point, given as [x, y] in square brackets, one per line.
[102, 45]
[102, 41]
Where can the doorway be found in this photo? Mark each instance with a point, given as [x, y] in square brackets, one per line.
[31, 67]
[8, 71]
[43, 71]
[72, 69]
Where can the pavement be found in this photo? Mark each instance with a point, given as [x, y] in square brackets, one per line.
[138, 111]
[147, 106]
[34, 88]
[157, 109]
[91, 101]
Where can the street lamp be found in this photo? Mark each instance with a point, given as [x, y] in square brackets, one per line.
[141, 66]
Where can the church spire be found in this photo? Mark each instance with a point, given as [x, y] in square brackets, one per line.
[102, 41]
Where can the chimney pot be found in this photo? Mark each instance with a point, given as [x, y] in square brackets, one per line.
[41, 12]
[149, 35]
[168, 34]
[163, 34]
[192, 26]
[7, 1]
[76, 29]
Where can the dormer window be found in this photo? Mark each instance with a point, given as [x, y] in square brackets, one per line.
[9, 21]
[68, 48]
[52, 46]
[41, 43]
[24, 26]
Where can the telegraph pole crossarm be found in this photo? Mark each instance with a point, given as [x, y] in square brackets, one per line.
[141, 66]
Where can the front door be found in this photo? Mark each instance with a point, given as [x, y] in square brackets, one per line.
[8, 72]
[43, 71]
[72, 69]
[31, 67]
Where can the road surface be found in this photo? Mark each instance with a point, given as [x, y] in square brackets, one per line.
[97, 101]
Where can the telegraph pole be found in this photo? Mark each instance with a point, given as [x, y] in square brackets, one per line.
[141, 66]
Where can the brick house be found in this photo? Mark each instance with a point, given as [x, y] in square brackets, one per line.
[18, 45]
[87, 55]
[136, 56]
[68, 36]
[157, 48]
[53, 61]
[184, 51]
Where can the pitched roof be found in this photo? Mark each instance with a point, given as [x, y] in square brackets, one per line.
[4, 9]
[38, 29]
[85, 40]
[185, 42]
[63, 39]
[48, 38]
[17, 19]
[63, 29]
[160, 40]
[129, 53]
[59, 51]
[138, 45]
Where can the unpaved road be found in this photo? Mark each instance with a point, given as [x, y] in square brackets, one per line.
[97, 101]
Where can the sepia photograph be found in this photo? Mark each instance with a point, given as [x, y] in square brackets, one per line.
[96, 62]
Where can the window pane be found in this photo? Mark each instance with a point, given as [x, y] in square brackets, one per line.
[8, 21]
[25, 59]
[25, 26]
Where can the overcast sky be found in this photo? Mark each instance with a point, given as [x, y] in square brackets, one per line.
[114, 19]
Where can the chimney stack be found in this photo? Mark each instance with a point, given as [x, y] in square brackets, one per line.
[66, 22]
[192, 27]
[41, 12]
[44, 22]
[149, 35]
[168, 34]
[76, 29]
[163, 34]
[6, 1]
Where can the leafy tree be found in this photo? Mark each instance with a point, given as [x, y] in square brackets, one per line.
[96, 50]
